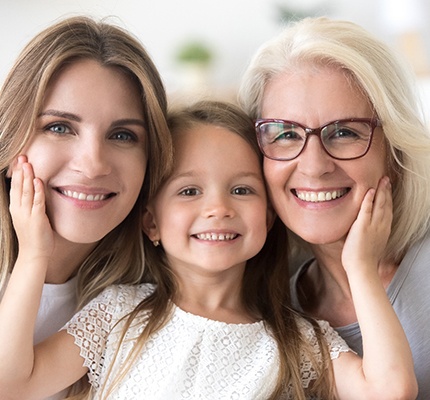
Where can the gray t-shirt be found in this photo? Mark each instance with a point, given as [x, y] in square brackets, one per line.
[409, 293]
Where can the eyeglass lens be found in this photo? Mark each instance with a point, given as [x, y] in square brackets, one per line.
[342, 139]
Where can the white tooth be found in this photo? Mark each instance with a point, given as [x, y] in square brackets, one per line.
[82, 196]
[314, 197]
[321, 196]
[334, 194]
[328, 196]
[90, 197]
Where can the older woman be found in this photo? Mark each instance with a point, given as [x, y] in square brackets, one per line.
[335, 113]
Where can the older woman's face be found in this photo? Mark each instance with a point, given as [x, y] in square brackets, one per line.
[314, 97]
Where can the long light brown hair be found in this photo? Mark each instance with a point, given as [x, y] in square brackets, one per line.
[265, 286]
[119, 256]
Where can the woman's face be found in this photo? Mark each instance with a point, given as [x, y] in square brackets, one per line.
[314, 97]
[89, 149]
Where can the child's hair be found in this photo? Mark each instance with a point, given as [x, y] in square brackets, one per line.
[118, 258]
[265, 290]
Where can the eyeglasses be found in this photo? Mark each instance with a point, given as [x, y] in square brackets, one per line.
[344, 139]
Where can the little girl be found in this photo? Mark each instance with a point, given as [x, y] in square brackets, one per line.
[213, 321]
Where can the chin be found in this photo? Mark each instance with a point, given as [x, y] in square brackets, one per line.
[79, 237]
[321, 238]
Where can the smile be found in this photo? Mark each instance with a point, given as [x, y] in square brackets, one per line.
[317, 197]
[84, 196]
[216, 236]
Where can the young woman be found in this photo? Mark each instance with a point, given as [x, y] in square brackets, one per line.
[336, 112]
[84, 105]
[213, 322]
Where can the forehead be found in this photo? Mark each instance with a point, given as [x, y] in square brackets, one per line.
[314, 96]
[210, 145]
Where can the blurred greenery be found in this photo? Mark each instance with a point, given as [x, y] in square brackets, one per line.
[194, 52]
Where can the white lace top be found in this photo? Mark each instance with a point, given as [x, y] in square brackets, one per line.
[191, 357]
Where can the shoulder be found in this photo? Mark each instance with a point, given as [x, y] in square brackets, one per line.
[113, 303]
[126, 293]
[333, 340]
[122, 298]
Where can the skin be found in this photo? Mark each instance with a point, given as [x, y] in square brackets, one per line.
[89, 143]
[210, 216]
[314, 97]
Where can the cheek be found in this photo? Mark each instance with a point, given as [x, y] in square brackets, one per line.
[276, 174]
[133, 184]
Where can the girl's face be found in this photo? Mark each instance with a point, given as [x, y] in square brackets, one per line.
[89, 149]
[211, 215]
[313, 98]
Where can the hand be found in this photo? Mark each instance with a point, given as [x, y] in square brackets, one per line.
[27, 208]
[368, 236]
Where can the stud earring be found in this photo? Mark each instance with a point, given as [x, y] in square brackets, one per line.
[156, 243]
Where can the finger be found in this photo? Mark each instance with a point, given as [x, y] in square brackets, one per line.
[27, 197]
[16, 186]
[366, 207]
[382, 209]
[39, 195]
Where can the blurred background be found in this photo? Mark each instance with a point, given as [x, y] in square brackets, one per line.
[202, 47]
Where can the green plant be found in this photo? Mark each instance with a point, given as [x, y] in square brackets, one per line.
[194, 52]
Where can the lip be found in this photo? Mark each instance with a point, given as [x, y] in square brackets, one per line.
[85, 197]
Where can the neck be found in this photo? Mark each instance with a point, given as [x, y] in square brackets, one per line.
[215, 296]
[324, 289]
[66, 260]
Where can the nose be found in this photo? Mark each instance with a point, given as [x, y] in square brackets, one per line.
[314, 160]
[217, 206]
[91, 157]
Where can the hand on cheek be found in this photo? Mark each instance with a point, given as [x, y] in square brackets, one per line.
[368, 236]
[27, 208]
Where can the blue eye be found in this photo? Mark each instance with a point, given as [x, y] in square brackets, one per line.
[124, 136]
[58, 129]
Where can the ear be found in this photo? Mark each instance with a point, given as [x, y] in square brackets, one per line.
[149, 225]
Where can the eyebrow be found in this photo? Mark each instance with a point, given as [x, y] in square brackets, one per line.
[62, 114]
[74, 117]
[193, 174]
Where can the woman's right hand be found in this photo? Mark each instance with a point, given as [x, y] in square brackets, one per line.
[28, 211]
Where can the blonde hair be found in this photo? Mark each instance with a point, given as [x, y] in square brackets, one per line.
[118, 258]
[265, 287]
[386, 81]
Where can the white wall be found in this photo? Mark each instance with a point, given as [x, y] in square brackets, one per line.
[234, 28]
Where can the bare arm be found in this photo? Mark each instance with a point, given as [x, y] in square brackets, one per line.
[22, 370]
[387, 370]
